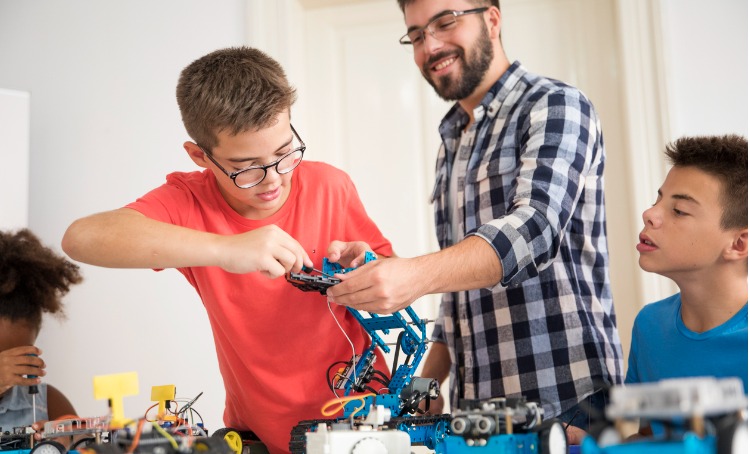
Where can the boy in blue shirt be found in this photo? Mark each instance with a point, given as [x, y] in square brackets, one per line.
[696, 235]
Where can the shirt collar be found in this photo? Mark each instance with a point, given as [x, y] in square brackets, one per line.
[456, 119]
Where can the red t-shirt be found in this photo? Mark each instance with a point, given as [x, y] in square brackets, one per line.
[274, 342]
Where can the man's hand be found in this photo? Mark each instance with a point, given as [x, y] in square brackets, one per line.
[383, 286]
[389, 285]
[268, 250]
[16, 363]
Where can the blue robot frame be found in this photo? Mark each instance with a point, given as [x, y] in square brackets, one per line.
[405, 391]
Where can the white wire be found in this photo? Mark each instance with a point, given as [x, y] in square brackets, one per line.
[354, 352]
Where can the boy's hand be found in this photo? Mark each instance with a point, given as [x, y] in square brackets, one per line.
[268, 250]
[349, 255]
[16, 363]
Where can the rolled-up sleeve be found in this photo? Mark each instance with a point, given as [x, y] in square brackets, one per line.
[561, 135]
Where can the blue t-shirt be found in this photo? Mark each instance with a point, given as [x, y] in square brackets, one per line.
[16, 408]
[663, 347]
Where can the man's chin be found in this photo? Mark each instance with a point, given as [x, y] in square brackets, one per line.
[444, 87]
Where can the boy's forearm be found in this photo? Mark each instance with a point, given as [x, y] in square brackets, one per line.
[125, 238]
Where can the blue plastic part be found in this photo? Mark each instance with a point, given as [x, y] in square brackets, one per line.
[331, 268]
[690, 443]
[413, 345]
[429, 435]
[413, 342]
[520, 443]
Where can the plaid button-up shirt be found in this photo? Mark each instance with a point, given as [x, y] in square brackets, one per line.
[531, 184]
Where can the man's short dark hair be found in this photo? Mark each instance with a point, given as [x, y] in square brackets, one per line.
[496, 3]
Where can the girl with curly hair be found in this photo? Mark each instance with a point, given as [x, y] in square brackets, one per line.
[33, 280]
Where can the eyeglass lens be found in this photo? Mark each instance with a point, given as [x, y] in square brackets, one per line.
[251, 177]
[437, 28]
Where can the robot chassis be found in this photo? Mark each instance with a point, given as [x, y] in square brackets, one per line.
[113, 434]
[393, 413]
[697, 415]
[390, 422]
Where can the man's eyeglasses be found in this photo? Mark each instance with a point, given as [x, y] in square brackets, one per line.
[254, 175]
[438, 28]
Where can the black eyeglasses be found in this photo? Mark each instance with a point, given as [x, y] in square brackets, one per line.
[254, 175]
[439, 27]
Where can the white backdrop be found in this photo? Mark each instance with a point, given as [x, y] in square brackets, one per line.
[14, 173]
[102, 77]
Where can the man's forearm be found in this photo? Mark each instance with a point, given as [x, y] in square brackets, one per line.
[467, 265]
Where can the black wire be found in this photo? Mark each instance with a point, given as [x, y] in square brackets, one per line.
[571, 419]
[196, 412]
[189, 404]
[381, 373]
[586, 407]
[411, 404]
[395, 355]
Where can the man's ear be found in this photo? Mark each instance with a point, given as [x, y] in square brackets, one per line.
[738, 249]
[495, 21]
[196, 154]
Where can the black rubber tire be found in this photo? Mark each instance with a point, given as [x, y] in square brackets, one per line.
[231, 437]
[49, 447]
[550, 441]
[213, 445]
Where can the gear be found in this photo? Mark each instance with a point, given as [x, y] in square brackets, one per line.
[369, 445]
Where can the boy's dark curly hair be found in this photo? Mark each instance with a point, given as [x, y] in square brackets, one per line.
[33, 278]
[724, 157]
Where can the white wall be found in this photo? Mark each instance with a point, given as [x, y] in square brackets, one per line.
[14, 173]
[706, 63]
[105, 128]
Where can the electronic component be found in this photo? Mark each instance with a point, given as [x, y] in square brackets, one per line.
[401, 393]
[324, 279]
[502, 425]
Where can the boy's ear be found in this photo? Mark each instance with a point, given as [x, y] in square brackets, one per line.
[738, 250]
[196, 154]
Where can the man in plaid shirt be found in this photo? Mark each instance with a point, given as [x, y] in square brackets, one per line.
[519, 208]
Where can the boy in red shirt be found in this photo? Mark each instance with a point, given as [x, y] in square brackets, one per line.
[256, 212]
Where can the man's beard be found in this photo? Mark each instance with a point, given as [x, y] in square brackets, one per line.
[474, 70]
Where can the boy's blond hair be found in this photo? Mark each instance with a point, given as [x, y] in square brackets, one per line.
[235, 89]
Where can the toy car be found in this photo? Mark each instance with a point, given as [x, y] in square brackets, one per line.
[703, 415]
[170, 432]
[502, 425]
